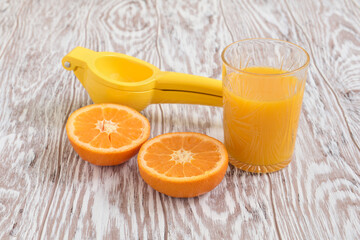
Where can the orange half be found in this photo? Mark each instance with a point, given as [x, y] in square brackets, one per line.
[107, 134]
[183, 164]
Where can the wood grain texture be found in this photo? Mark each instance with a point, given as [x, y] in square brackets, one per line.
[48, 192]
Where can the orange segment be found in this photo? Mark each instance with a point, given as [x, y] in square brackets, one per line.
[204, 146]
[190, 142]
[183, 164]
[132, 122]
[191, 169]
[174, 143]
[130, 133]
[118, 140]
[87, 136]
[115, 115]
[203, 165]
[177, 170]
[107, 134]
[90, 117]
[159, 148]
[101, 141]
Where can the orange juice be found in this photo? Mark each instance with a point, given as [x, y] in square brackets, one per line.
[261, 113]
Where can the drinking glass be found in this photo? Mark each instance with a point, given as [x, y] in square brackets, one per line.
[263, 88]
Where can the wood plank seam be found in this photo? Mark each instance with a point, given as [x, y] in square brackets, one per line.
[278, 232]
[57, 176]
[165, 235]
[226, 24]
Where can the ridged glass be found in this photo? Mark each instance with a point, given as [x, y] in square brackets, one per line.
[263, 88]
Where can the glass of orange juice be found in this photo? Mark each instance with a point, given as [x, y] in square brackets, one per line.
[263, 88]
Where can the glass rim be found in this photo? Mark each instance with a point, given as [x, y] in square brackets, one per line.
[266, 74]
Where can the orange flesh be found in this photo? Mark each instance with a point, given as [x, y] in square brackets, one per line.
[107, 128]
[183, 164]
[182, 156]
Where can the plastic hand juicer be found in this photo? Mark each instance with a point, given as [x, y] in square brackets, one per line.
[117, 78]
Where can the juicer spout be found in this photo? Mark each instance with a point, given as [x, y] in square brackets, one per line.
[77, 60]
[78, 57]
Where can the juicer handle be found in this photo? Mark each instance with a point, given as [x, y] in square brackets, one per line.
[172, 87]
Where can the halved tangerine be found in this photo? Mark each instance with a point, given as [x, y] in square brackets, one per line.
[183, 164]
[107, 134]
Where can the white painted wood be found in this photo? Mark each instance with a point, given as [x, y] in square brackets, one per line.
[47, 192]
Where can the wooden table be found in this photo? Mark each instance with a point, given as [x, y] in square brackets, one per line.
[48, 192]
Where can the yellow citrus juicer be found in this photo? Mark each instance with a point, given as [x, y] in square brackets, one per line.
[111, 77]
